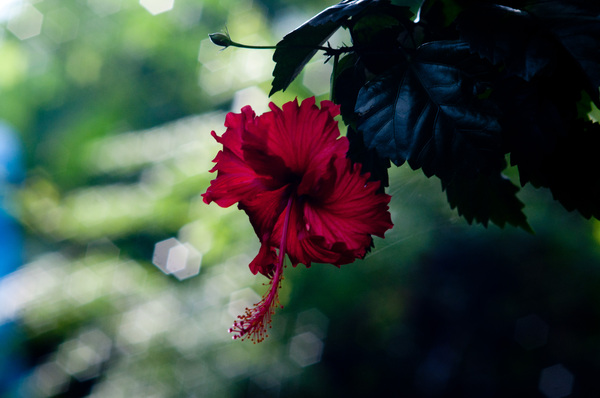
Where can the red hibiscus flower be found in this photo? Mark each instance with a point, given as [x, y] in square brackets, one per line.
[287, 169]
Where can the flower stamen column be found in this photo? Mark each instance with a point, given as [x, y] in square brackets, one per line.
[254, 322]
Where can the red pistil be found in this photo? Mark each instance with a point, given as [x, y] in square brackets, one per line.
[253, 324]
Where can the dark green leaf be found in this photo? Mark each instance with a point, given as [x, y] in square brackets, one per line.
[432, 111]
[573, 172]
[367, 28]
[371, 162]
[508, 37]
[427, 112]
[531, 123]
[486, 198]
[379, 34]
[576, 26]
[347, 79]
[532, 39]
[439, 14]
[553, 45]
[299, 46]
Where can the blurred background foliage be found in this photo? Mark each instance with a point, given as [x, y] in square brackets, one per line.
[114, 101]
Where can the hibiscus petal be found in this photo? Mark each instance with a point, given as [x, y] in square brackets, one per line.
[236, 124]
[303, 136]
[264, 210]
[257, 156]
[300, 246]
[265, 260]
[348, 210]
[236, 180]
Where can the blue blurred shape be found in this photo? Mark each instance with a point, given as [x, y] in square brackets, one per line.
[11, 246]
[11, 173]
[11, 158]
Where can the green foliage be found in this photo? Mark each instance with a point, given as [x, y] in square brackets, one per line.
[417, 110]
[455, 91]
[476, 197]
[298, 47]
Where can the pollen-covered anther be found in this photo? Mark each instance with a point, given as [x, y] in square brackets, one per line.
[253, 323]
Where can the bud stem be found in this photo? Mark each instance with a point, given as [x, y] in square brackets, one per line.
[224, 40]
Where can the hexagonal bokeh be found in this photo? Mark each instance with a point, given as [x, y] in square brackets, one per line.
[26, 23]
[531, 332]
[556, 381]
[316, 77]
[50, 379]
[161, 253]
[83, 357]
[306, 349]
[181, 260]
[193, 263]
[314, 321]
[104, 7]
[155, 7]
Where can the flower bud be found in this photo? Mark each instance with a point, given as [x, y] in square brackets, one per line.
[220, 39]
